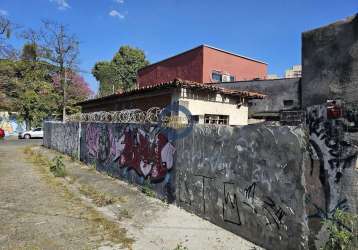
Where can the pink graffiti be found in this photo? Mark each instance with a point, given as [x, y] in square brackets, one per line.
[92, 136]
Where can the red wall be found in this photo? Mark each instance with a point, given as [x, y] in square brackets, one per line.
[197, 65]
[186, 66]
[241, 68]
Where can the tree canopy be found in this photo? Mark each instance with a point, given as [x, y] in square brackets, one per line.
[32, 86]
[121, 72]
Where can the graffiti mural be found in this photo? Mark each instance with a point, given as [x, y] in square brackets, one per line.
[138, 153]
[335, 152]
[246, 180]
[10, 124]
[63, 137]
[333, 145]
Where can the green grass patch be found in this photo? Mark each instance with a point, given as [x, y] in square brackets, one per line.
[99, 198]
[148, 191]
[57, 167]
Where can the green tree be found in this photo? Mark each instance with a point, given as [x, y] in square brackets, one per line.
[61, 49]
[37, 98]
[121, 72]
[77, 91]
[9, 85]
[42, 81]
[105, 73]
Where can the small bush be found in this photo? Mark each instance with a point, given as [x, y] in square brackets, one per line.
[57, 167]
[148, 191]
[99, 198]
[342, 229]
[124, 213]
[180, 247]
[28, 150]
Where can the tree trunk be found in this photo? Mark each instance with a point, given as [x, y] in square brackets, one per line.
[27, 124]
[64, 98]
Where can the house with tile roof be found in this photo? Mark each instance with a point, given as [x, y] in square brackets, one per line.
[207, 104]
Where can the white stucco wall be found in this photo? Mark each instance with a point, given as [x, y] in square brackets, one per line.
[237, 115]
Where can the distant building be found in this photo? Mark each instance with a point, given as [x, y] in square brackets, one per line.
[282, 95]
[203, 64]
[294, 72]
[272, 77]
[208, 104]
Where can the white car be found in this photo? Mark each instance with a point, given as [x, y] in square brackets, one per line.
[34, 133]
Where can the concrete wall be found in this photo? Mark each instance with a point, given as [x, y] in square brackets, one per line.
[270, 184]
[332, 179]
[63, 137]
[330, 98]
[278, 91]
[249, 180]
[136, 153]
[237, 116]
[330, 63]
[202, 103]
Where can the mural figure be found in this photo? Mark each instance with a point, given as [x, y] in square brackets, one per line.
[10, 124]
[149, 153]
[138, 153]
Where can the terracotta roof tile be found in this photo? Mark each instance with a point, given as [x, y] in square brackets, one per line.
[176, 83]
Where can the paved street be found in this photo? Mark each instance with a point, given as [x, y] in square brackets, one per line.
[37, 212]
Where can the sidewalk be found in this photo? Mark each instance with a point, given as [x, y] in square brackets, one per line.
[152, 223]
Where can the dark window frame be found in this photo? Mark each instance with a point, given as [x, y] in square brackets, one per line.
[218, 73]
[288, 103]
[216, 119]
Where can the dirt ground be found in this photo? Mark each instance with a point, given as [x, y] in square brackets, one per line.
[90, 210]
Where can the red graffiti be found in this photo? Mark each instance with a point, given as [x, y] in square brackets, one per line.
[150, 156]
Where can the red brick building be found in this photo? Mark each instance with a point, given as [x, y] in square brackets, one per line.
[203, 64]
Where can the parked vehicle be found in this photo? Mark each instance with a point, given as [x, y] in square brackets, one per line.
[2, 133]
[34, 133]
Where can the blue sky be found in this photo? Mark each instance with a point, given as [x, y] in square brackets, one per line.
[268, 30]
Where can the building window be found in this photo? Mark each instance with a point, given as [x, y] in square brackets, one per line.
[195, 119]
[287, 103]
[216, 76]
[216, 119]
[227, 78]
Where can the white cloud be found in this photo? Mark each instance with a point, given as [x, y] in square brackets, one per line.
[3, 12]
[119, 1]
[61, 4]
[115, 13]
